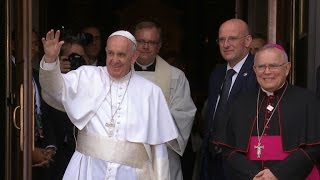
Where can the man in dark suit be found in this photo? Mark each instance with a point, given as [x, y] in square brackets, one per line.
[234, 41]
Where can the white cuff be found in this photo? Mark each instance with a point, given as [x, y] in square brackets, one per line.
[48, 66]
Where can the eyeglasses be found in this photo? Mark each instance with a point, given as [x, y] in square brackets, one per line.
[230, 39]
[271, 67]
[149, 43]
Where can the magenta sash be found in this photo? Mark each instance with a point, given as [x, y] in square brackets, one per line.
[272, 150]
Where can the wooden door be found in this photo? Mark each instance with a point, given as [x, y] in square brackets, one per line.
[18, 90]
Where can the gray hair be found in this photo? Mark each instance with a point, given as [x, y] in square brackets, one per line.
[274, 46]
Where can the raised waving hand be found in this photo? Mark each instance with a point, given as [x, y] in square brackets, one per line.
[51, 46]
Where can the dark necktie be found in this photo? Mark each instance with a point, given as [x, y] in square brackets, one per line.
[221, 108]
[225, 88]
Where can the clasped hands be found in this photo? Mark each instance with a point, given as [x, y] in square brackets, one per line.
[265, 174]
[42, 157]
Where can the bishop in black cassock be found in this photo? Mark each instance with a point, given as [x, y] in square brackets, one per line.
[288, 144]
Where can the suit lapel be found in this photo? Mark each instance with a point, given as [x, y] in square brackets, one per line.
[215, 87]
[245, 73]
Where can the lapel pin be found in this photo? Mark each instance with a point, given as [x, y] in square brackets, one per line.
[245, 74]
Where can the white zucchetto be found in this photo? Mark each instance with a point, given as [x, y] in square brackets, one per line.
[126, 34]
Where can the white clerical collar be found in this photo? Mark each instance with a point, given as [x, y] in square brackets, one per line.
[271, 93]
[145, 67]
[239, 65]
[267, 92]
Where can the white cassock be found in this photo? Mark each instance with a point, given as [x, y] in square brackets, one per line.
[175, 87]
[134, 148]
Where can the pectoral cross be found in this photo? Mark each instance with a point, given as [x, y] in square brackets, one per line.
[259, 148]
[110, 127]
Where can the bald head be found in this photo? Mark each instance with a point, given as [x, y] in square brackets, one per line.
[237, 23]
[234, 40]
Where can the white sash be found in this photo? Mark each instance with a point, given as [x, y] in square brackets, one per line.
[121, 152]
[108, 149]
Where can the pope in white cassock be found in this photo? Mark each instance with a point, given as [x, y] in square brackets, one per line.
[123, 120]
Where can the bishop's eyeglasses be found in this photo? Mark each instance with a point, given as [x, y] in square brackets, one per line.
[142, 42]
[271, 67]
[230, 39]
